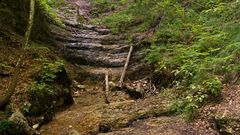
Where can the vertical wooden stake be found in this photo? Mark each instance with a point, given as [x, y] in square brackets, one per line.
[107, 88]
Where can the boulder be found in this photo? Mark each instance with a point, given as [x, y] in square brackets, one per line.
[20, 125]
[50, 89]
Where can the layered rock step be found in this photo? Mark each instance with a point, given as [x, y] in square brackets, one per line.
[86, 44]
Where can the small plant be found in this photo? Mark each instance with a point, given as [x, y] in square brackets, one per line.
[49, 70]
[213, 85]
[26, 107]
[40, 88]
[44, 82]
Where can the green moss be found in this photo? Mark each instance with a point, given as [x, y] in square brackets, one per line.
[47, 6]
[49, 89]
[5, 125]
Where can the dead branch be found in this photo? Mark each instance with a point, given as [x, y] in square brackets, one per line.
[125, 66]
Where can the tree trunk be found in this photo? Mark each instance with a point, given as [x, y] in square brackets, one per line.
[13, 82]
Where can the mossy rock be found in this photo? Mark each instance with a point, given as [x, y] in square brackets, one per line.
[17, 124]
[50, 89]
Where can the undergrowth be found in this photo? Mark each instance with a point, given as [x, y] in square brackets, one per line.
[103, 6]
[48, 7]
[196, 42]
[44, 83]
[48, 89]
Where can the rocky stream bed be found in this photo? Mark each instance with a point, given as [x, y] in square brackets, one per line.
[93, 51]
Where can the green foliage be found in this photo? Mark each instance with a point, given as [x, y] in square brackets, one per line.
[49, 89]
[47, 7]
[201, 63]
[56, 3]
[40, 87]
[142, 15]
[213, 85]
[194, 96]
[196, 42]
[118, 22]
[103, 6]
[44, 83]
[48, 73]
[26, 107]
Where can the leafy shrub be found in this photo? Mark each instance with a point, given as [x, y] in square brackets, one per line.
[44, 82]
[213, 85]
[201, 63]
[40, 87]
[197, 43]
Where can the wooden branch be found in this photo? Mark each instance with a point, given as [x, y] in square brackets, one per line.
[107, 88]
[13, 83]
[125, 66]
